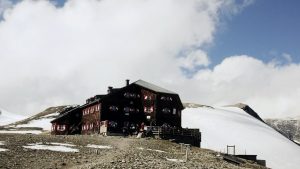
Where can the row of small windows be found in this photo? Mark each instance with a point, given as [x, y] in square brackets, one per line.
[61, 127]
[90, 126]
[125, 109]
[131, 95]
[91, 109]
[146, 97]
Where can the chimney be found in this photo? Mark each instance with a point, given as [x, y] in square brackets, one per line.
[127, 82]
[109, 90]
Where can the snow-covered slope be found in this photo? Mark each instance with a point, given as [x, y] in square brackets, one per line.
[232, 126]
[36, 124]
[7, 117]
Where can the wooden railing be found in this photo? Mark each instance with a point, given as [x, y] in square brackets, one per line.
[158, 130]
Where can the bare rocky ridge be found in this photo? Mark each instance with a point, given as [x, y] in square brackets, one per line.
[126, 153]
[289, 127]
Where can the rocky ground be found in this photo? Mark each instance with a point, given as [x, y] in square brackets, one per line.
[125, 153]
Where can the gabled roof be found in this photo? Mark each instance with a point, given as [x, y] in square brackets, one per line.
[65, 114]
[153, 87]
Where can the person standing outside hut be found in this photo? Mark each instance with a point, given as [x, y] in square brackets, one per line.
[141, 131]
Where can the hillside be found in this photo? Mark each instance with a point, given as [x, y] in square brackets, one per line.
[233, 126]
[219, 126]
[35, 124]
[7, 117]
[86, 152]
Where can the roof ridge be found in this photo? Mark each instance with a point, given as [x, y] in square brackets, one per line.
[153, 87]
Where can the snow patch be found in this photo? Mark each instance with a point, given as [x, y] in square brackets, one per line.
[175, 160]
[42, 123]
[21, 131]
[2, 143]
[98, 146]
[50, 115]
[3, 149]
[58, 148]
[160, 151]
[63, 144]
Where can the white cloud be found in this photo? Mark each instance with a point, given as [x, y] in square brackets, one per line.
[194, 59]
[52, 56]
[4, 5]
[272, 90]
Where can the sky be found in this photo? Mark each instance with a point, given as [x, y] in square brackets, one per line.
[214, 52]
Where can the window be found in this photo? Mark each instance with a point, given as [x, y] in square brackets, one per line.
[91, 126]
[53, 128]
[131, 95]
[97, 107]
[148, 109]
[166, 110]
[127, 95]
[147, 97]
[113, 108]
[92, 110]
[174, 111]
[61, 127]
[126, 109]
[164, 98]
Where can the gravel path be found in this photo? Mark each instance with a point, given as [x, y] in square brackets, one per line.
[112, 152]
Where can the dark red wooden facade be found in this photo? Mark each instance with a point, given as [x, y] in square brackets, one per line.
[68, 122]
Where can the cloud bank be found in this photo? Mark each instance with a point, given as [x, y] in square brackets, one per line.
[52, 56]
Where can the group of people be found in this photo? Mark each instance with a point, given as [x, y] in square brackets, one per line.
[132, 129]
